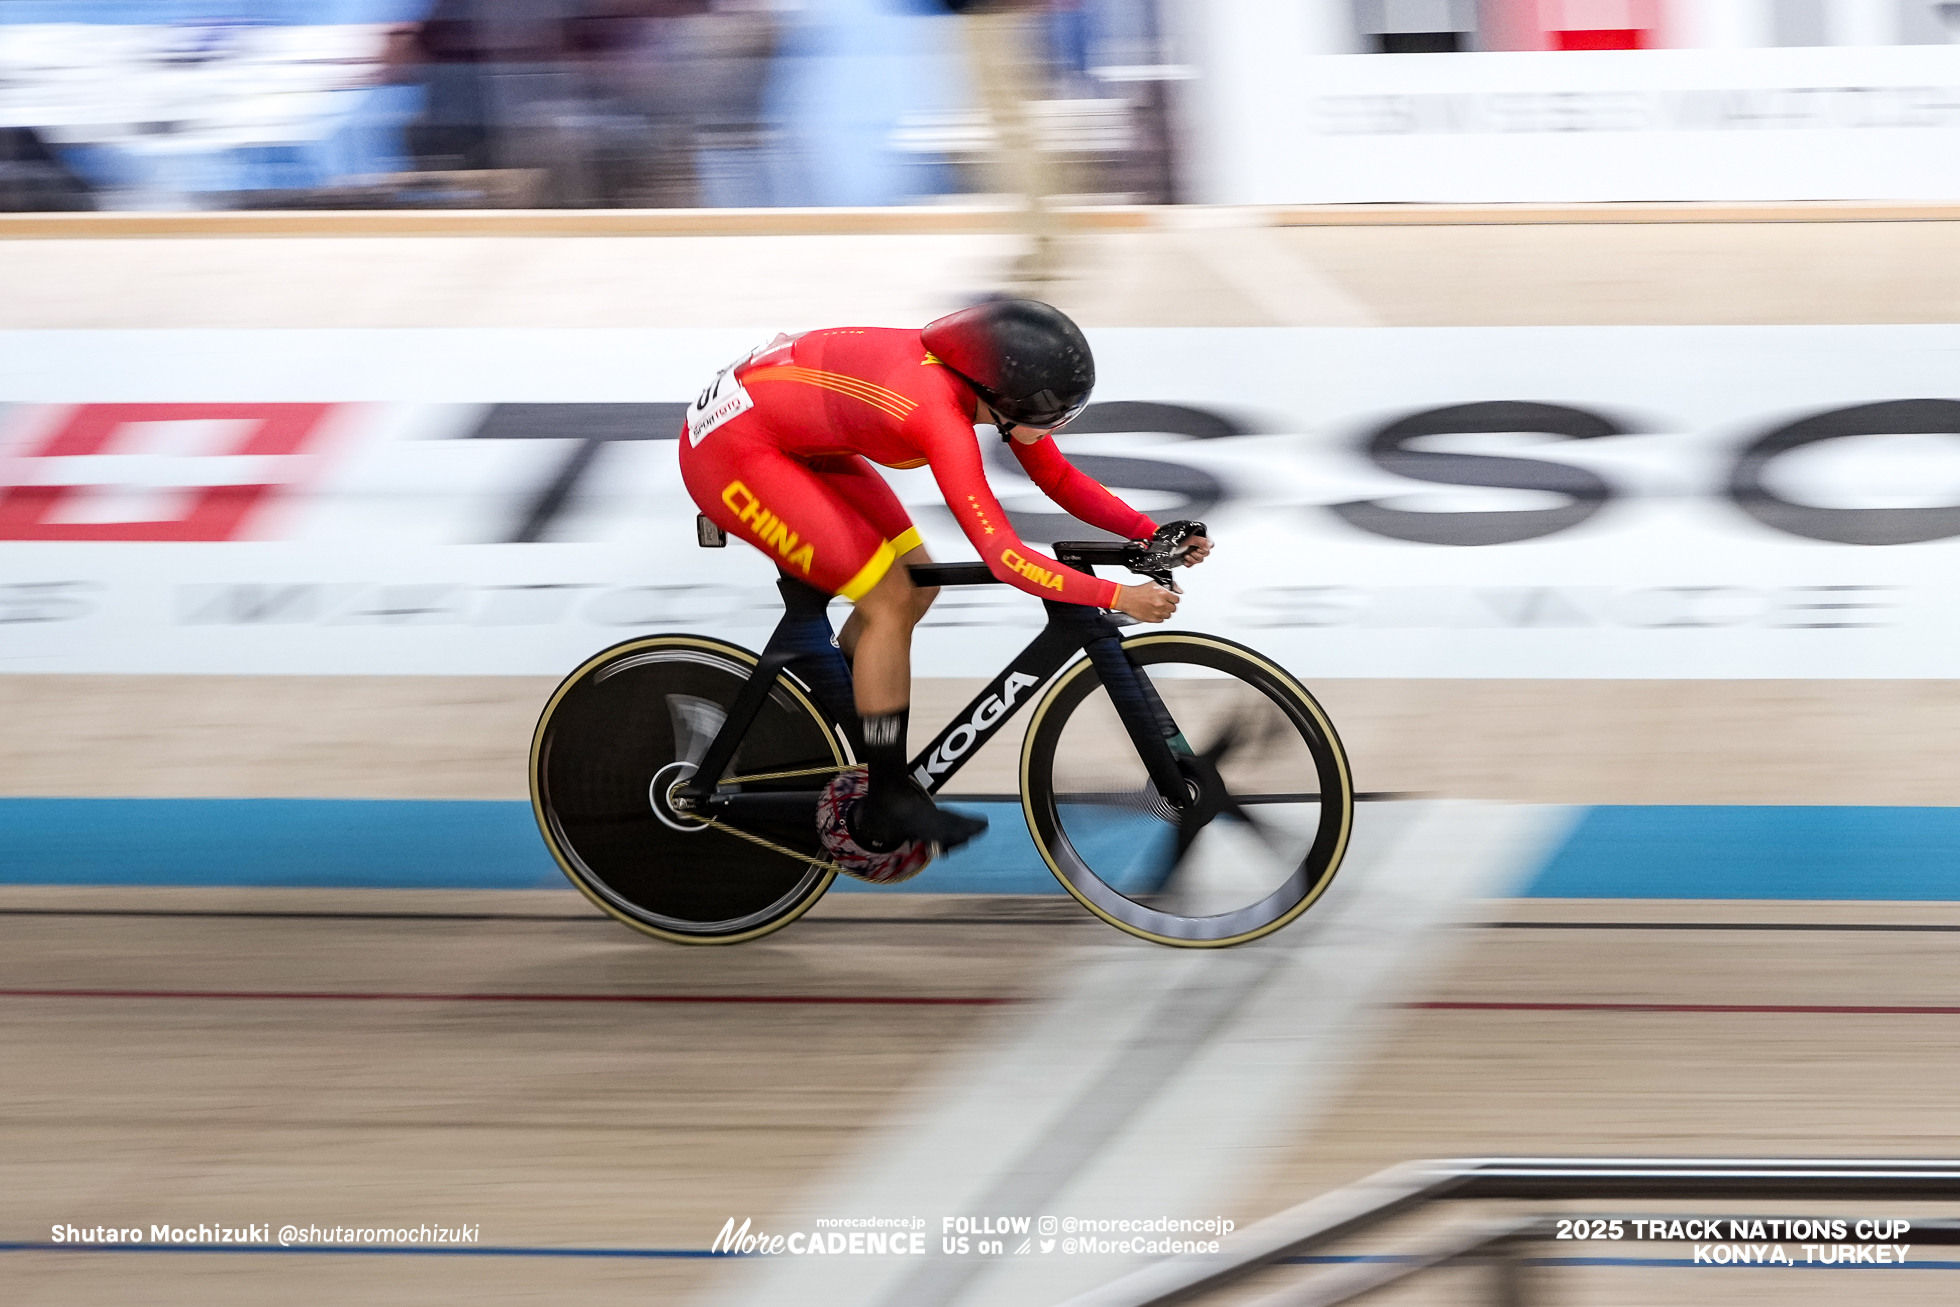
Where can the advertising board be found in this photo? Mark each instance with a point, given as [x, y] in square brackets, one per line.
[1727, 502]
[1271, 124]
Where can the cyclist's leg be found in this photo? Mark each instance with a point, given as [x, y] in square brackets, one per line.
[861, 485]
[878, 640]
[879, 645]
[895, 809]
[750, 488]
[811, 527]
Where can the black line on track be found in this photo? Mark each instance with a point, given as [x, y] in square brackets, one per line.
[1711, 925]
[1366, 796]
[1068, 919]
[594, 920]
[1071, 920]
[306, 916]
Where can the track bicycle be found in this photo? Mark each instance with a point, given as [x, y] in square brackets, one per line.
[1182, 787]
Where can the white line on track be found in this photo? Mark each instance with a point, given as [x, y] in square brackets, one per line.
[1153, 1082]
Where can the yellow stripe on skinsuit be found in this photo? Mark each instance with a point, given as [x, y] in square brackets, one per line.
[887, 401]
[870, 574]
[907, 541]
[869, 388]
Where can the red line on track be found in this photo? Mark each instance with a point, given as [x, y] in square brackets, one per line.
[820, 999]
[1823, 1008]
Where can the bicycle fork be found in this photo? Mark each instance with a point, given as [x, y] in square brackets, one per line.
[1158, 739]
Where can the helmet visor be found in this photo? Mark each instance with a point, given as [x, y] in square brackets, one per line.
[1044, 409]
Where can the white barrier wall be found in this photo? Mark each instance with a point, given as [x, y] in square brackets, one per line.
[1746, 502]
[1270, 120]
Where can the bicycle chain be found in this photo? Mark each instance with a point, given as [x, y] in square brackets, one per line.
[741, 834]
[786, 775]
[715, 823]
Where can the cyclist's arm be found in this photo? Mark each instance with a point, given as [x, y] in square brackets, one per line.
[1077, 493]
[955, 459]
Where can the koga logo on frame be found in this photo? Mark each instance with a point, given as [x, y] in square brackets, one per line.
[961, 738]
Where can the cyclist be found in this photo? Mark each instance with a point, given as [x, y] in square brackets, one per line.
[778, 450]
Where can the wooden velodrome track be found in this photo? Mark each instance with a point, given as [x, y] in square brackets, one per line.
[514, 1063]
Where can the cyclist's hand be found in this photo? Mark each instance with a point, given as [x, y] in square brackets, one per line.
[1148, 602]
[1200, 549]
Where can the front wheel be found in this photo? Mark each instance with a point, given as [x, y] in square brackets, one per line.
[1271, 802]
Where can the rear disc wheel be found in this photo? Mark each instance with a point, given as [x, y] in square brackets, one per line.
[625, 731]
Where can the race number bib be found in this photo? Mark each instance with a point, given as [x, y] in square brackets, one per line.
[725, 397]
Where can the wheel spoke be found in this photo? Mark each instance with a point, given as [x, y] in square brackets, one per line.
[696, 723]
[1141, 799]
[1242, 728]
[1268, 833]
[1227, 864]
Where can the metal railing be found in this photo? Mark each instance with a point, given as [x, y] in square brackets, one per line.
[1502, 1244]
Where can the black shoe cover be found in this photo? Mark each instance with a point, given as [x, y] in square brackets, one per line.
[886, 819]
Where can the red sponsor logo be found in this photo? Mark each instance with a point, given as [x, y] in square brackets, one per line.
[155, 471]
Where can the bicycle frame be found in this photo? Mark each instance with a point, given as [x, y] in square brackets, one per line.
[1071, 629]
[804, 643]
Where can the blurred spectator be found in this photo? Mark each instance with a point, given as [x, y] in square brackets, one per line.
[1416, 26]
[32, 178]
[612, 102]
[1069, 46]
[143, 104]
[726, 55]
[489, 70]
[187, 114]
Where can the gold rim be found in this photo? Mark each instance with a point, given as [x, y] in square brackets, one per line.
[732, 651]
[1285, 678]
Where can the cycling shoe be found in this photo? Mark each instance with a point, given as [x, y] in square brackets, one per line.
[884, 821]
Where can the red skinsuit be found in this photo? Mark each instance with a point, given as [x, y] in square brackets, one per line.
[789, 474]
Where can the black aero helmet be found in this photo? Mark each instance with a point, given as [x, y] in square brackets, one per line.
[1027, 360]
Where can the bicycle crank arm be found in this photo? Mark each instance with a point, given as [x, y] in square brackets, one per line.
[794, 808]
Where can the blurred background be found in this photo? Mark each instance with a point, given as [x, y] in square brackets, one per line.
[1569, 385]
[537, 103]
[377, 104]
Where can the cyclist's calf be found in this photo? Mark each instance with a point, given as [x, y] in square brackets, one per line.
[878, 638]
